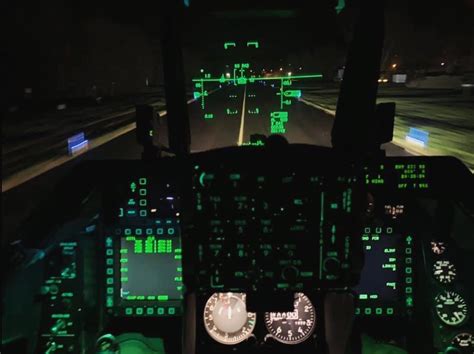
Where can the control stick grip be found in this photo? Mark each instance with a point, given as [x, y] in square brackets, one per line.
[339, 317]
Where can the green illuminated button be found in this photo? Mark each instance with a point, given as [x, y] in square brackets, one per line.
[109, 301]
[142, 191]
[390, 311]
[143, 213]
[142, 202]
[139, 311]
[109, 261]
[110, 271]
[408, 290]
[378, 311]
[110, 291]
[409, 280]
[150, 310]
[171, 311]
[109, 252]
[368, 311]
[128, 310]
[149, 231]
[161, 311]
[128, 231]
[142, 181]
[357, 311]
[408, 270]
[110, 281]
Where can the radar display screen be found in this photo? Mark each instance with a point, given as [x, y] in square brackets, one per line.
[151, 268]
[385, 287]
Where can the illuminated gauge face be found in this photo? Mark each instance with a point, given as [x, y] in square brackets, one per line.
[292, 327]
[451, 308]
[464, 342]
[226, 318]
[438, 247]
[444, 272]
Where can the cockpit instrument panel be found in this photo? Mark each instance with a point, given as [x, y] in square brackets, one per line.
[272, 229]
[143, 264]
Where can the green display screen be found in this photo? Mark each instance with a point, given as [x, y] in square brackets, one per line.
[385, 287]
[150, 267]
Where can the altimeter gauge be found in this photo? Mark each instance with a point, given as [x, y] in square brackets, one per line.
[292, 327]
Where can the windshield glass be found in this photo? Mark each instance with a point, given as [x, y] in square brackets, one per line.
[255, 73]
[260, 76]
[75, 74]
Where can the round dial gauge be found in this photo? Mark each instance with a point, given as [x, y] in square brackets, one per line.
[444, 272]
[438, 247]
[451, 308]
[292, 327]
[226, 318]
[464, 342]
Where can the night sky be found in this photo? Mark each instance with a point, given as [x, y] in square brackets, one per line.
[63, 49]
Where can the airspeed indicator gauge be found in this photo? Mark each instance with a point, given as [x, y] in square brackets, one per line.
[226, 318]
[451, 308]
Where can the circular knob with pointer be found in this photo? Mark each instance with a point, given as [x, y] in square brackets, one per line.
[332, 266]
[290, 274]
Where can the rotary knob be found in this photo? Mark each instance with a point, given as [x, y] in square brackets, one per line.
[332, 266]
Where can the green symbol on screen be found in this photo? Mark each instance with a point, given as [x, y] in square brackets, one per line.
[292, 93]
[280, 115]
[241, 81]
[133, 187]
[252, 44]
[256, 111]
[277, 122]
[208, 116]
[201, 178]
[228, 45]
